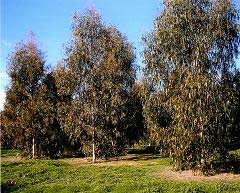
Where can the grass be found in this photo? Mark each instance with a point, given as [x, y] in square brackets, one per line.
[135, 174]
[10, 152]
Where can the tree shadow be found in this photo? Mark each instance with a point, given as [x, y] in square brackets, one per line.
[140, 157]
[230, 165]
[8, 186]
[227, 164]
[143, 154]
[147, 150]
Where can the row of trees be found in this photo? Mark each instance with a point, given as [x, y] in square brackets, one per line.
[187, 102]
[87, 104]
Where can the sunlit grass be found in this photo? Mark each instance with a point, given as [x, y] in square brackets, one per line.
[7, 153]
[69, 175]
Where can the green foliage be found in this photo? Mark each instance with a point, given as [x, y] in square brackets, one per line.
[135, 129]
[26, 68]
[191, 104]
[236, 152]
[52, 139]
[30, 115]
[201, 122]
[10, 152]
[99, 62]
[233, 86]
[87, 99]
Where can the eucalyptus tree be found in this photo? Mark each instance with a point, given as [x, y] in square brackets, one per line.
[231, 85]
[52, 140]
[26, 67]
[189, 52]
[135, 129]
[100, 61]
[5, 135]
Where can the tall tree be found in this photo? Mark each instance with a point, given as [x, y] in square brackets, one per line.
[187, 55]
[100, 61]
[26, 69]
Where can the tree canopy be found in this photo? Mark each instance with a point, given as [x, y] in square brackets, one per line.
[101, 63]
[186, 103]
[189, 56]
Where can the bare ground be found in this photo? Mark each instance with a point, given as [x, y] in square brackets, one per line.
[12, 159]
[120, 161]
[189, 175]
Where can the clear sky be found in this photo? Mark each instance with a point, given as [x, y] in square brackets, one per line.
[50, 20]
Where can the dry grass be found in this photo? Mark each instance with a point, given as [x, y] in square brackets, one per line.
[12, 159]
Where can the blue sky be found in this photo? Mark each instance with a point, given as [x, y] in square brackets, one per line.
[51, 23]
[50, 20]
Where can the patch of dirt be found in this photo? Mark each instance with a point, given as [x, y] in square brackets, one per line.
[12, 159]
[189, 175]
[127, 160]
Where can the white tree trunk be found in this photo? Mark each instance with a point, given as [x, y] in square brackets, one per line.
[93, 149]
[93, 154]
[33, 148]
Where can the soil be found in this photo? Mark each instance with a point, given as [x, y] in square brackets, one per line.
[121, 161]
[189, 175]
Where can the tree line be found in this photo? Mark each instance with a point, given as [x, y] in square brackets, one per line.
[187, 103]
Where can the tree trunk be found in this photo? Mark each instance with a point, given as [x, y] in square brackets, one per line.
[93, 148]
[33, 148]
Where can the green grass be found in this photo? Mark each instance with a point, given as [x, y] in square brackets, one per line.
[61, 176]
[8, 153]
